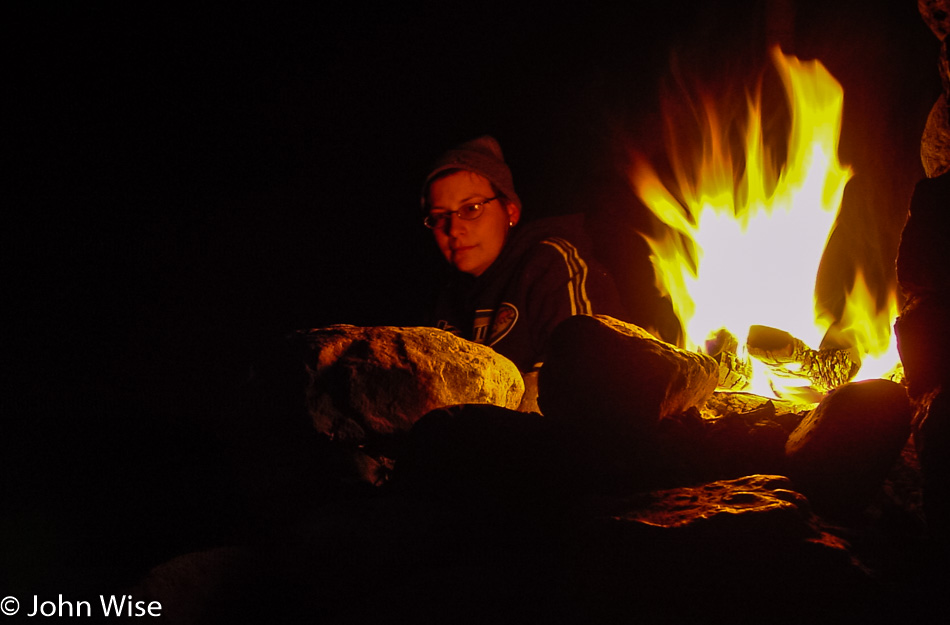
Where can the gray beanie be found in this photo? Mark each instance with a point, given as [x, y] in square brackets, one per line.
[481, 156]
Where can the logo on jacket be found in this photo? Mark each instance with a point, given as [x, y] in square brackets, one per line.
[492, 325]
[504, 321]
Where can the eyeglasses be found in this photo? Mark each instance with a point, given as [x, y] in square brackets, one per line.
[437, 221]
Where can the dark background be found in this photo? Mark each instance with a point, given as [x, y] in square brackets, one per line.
[188, 185]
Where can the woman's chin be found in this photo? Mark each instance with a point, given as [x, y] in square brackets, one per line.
[470, 268]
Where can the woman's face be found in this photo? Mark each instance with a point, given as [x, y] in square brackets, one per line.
[470, 245]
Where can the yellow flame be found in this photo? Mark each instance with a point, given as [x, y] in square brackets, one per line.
[743, 243]
[869, 329]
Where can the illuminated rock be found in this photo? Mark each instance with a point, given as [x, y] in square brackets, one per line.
[722, 503]
[841, 452]
[723, 551]
[936, 14]
[367, 382]
[935, 141]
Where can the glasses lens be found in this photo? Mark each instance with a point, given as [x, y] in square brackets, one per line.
[434, 221]
[471, 211]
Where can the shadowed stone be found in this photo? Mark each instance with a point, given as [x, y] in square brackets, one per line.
[720, 552]
[368, 382]
[618, 375]
[923, 337]
[608, 387]
[923, 340]
[932, 442]
[920, 267]
[842, 451]
[483, 455]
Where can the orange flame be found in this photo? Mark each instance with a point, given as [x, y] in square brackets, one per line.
[742, 245]
[869, 328]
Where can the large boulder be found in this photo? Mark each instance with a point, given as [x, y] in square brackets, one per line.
[924, 276]
[367, 383]
[617, 375]
[842, 451]
[612, 390]
[923, 338]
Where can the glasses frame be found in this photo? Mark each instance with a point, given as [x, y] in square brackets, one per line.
[438, 221]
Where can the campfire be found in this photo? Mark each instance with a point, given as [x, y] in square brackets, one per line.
[660, 487]
[742, 231]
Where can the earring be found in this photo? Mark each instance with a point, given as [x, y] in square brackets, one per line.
[511, 224]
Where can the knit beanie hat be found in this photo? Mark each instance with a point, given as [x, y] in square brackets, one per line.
[481, 156]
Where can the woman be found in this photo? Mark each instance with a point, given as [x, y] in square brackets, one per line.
[513, 282]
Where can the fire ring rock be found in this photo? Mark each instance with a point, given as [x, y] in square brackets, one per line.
[371, 382]
[607, 386]
[597, 365]
[840, 454]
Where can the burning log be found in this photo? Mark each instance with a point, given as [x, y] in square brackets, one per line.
[735, 372]
[789, 357]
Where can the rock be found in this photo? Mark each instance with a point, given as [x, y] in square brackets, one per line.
[724, 504]
[936, 14]
[786, 413]
[932, 442]
[923, 335]
[612, 374]
[483, 456]
[700, 446]
[921, 266]
[487, 456]
[923, 339]
[748, 550]
[529, 401]
[944, 65]
[368, 383]
[739, 444]
[935, 140]
[200, 587]
[608, 386]
[842, 451]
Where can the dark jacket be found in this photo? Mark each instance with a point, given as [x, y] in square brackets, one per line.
[545, 273]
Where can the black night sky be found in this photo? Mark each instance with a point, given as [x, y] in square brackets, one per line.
[192, 183]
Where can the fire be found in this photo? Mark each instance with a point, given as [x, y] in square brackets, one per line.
[868, 326]
[744, 237]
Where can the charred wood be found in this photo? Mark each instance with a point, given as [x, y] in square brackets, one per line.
[735, 371]
[789, 357]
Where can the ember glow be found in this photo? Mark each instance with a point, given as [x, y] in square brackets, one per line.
[744, 237]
